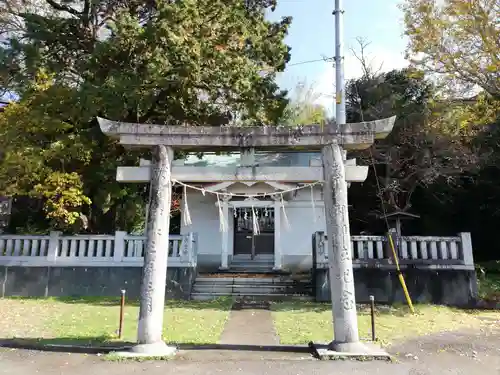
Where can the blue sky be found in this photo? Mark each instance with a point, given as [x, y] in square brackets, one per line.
[312, 36]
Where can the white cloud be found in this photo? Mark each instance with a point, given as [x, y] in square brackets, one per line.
[385, 59]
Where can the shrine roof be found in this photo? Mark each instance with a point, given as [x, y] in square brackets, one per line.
[198, 138]
[279, 159]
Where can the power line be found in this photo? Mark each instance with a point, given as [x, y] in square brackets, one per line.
[324, 59]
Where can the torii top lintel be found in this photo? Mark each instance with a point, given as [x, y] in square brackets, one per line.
[311, 137]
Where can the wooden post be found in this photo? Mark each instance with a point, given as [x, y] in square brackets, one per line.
[339, 251]
[152, 302]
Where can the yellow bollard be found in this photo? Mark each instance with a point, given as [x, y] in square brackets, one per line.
[400, 275]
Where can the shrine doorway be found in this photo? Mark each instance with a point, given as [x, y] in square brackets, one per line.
[254, 231]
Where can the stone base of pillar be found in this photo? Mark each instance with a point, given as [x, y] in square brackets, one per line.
[355, 350]
[348, 347]
[156, 350]
[222, 268]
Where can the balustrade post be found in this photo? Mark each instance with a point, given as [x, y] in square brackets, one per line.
[319, 248]
[53, 249]
[186, 247]
[194, 249]
[119, 246]
[466, 245]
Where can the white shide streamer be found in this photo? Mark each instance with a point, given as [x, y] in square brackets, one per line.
[255, 222]
[285, 217]
[185, 214]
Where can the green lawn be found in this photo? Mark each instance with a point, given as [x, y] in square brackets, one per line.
[86, 321]
[300, 323]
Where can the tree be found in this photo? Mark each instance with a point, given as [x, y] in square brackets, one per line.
[168, 62]
[302, 108]
[456, 40]
[426, 146]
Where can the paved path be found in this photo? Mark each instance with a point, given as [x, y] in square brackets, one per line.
[250, 326]
[17, 362]
[458, 353]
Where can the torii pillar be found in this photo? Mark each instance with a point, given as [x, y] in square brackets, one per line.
[154, 272]
[345, 322]
[330, 139]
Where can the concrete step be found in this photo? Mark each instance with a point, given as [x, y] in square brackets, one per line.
[236, 266]
[256, 296]
[236, 283]
[241, 289]
[261, 286]
[252, 264]
[245, 282]
[257, 256]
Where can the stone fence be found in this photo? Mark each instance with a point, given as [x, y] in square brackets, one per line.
[437, 270]
[420, 251]
[90, 265]
[120, 250]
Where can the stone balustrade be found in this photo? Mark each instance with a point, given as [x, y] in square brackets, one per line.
[121, 249]
[424, 251]
[124, 249]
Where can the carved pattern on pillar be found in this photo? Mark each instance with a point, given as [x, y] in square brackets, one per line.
[156, 255]
[339, 246]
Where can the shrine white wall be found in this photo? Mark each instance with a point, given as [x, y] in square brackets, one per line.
[205, 223]
[296, 238]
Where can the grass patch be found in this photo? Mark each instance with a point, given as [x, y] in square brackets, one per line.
[489, 286]
[90, 321]
[300, 323]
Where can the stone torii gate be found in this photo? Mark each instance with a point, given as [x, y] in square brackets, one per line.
[332, 140]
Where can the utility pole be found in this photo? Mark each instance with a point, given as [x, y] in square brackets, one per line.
[340, 115]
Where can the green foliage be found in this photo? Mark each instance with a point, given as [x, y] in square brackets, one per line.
[427, 145]
[168, 62]
[489, 285]
[63, 194]
[303, 109]
[456, 40]
[195, 61]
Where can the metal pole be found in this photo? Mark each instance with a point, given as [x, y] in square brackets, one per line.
[340, 112]
[372, 313]
[122, 311]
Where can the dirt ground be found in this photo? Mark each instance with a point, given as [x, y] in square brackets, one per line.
[466, 352]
